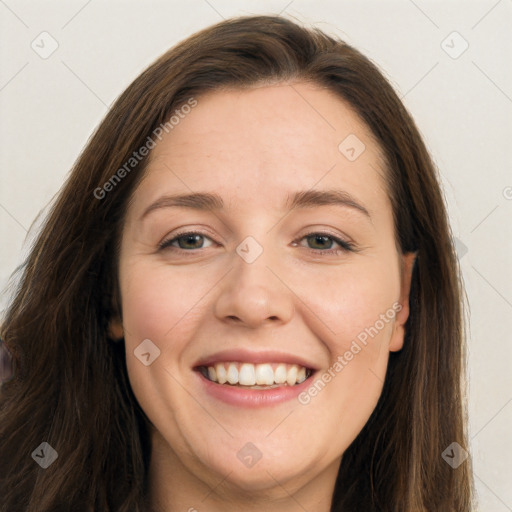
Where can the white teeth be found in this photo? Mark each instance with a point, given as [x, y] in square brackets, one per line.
[280, 374]
[247, 374]
[301, 375]
[221, 373]
[264, 375]
[291, 377]
[232, 374]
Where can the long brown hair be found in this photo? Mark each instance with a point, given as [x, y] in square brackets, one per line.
[70, 386]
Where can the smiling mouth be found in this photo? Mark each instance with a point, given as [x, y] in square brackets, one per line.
[255, 376]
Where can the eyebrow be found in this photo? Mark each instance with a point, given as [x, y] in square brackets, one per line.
[312, 198]
[302, 199]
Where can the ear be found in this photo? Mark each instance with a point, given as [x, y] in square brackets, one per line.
[115, 329]
[397, 338]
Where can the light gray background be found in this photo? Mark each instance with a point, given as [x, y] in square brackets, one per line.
[463, 107]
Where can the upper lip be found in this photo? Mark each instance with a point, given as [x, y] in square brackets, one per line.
[248, 356]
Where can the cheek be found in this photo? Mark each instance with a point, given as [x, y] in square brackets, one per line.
[356, 302]
[163, 307]
[160, 304]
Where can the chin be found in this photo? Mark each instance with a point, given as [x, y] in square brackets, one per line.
[259, 475]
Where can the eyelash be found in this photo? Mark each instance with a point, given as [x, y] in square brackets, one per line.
[345, 246]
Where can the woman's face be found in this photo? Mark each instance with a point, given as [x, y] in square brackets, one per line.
[287, 269]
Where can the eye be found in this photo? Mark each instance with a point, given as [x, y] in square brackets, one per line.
[186, 241]
[325, 241]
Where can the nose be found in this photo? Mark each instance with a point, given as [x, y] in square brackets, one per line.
[254, 294]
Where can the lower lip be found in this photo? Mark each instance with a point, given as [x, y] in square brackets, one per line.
[234, 395]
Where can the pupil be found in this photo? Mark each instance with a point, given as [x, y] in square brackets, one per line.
[188, 239]
[192, 239]
[321, 239]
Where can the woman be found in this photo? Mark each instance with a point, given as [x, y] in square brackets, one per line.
[246, 297]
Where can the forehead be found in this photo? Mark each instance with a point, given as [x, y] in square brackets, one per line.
[254, 145]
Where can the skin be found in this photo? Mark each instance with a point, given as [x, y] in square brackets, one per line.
[254, 148]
